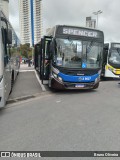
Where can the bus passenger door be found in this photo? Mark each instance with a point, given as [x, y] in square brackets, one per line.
[105, 58]
[45, 59]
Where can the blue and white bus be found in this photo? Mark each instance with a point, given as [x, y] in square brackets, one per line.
[70, 57]
[9, 58]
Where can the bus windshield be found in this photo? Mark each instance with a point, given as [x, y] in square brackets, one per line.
[78, 54]
[114, 56]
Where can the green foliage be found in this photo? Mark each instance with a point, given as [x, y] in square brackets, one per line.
[14, 51]
[26, 50]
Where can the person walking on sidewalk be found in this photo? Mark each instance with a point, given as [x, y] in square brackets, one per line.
[29, 62]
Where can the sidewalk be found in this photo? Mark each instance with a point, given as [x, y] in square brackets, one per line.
[26, 83]
[24, 67]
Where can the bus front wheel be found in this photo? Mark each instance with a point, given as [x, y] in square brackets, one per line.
[96, 86]
[12, 82]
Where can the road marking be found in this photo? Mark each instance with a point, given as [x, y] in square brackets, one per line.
[42, 86]
[20, 99]
[26, 70]
[58, 101]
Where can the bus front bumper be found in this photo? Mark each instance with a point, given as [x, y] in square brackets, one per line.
[68, 85]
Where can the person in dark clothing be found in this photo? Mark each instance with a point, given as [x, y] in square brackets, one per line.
[29, 63]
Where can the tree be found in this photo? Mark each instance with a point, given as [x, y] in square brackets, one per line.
[26, 50]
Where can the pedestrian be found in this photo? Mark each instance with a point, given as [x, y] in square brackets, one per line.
[29, 63]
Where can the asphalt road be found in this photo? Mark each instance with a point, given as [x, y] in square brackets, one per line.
[64, 121]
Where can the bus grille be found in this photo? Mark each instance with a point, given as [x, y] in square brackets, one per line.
[87, 72]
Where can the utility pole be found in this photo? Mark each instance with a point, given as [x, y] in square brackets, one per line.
[97, 13]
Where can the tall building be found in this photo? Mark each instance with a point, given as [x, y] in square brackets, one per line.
[37, 10]
[4, 5]
[30, 21]
[90, 23]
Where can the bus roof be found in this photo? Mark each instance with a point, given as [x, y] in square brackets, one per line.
[79, 27]
[112, 45]
[75, 31]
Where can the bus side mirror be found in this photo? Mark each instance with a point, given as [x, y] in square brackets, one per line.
[9, 39]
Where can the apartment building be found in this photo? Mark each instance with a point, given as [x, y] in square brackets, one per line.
[30, 21]
[37, 20]
[4, 5]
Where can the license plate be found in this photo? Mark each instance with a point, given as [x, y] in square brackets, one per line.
[79, 85]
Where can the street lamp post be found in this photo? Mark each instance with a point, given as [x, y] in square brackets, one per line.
[97, 13]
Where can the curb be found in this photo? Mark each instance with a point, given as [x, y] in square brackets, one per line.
[42, 86]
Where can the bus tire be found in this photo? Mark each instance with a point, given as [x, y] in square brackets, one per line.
[103, 78]
[96, 86]
[12, 81]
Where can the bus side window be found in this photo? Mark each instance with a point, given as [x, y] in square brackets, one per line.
[4, 40]
[51, 50]
[9, 41]
[3, 36]
[48, 50]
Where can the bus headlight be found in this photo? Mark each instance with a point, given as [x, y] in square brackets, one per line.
[110, 69]
[99, 72]
[54, 75]
[114, 70]
[97, 79]
[59, 78]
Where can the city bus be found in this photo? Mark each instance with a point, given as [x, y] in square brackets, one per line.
[70, 57]
[9, 58]
[111, 60]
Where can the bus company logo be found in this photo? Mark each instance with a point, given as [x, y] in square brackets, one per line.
[80, 74]
[80, 32]
[81, 78]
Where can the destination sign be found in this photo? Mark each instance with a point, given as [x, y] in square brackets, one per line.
[80, 32]
[116, 45]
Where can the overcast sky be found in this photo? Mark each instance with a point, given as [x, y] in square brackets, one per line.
[74, 12]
